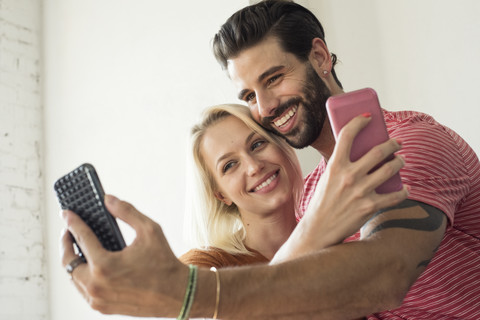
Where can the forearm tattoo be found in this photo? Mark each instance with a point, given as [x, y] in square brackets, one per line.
[432, 222]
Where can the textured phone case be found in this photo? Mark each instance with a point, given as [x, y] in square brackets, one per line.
[343, 108]
[81, 192]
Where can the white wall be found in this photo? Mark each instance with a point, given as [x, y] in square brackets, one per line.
[125, 79]
[23, 285]
[418, 55]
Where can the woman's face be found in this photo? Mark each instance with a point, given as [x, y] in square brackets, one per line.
[249, 171]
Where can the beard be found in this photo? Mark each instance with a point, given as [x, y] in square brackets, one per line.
[311, 124]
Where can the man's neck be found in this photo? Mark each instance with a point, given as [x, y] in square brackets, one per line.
[325, 142]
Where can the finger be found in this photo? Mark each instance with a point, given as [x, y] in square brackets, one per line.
[391, 199]
[145, 228]
[68, 255]
[67, 251]
[385, 172]
[347, 135]
[389, 168]
[84, 236]
[125, 212]
[378, 154]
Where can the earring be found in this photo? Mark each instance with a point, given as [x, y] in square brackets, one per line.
[325, 72]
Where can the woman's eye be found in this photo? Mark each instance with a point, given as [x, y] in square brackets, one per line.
[228, 166]
[257, 144]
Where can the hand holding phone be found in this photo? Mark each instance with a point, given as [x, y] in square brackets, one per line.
[81, 192]
[343, 108]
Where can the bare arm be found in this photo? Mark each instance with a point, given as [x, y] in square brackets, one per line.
[343, 281]
[146, 279]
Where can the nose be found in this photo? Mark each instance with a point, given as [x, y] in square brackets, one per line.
[266, 103]
[254, 166]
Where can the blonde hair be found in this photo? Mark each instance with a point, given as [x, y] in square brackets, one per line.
[209, 222]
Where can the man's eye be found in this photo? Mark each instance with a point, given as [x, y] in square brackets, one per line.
[273, 79]
[250, 97]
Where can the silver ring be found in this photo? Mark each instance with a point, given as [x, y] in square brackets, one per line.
[75, 263]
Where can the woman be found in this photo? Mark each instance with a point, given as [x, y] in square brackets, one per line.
[248, 184]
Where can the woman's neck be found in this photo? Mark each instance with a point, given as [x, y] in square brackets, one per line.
[266, 234]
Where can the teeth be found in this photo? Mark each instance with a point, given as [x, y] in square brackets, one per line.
[280, 122]
[266, 183]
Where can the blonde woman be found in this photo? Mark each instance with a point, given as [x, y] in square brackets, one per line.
[245, 190]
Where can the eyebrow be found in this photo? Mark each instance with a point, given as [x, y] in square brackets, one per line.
[260, 78]
[226, 155]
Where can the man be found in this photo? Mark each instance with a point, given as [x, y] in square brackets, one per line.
[429, 241]
[285, 75]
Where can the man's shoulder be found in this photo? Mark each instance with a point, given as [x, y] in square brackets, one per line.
[418, 126]
[408, 117]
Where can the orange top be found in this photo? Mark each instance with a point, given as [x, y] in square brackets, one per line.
[218, 258]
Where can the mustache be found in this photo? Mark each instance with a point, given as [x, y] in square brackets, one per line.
[266, 121]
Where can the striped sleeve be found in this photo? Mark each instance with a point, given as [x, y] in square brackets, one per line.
[435, 168]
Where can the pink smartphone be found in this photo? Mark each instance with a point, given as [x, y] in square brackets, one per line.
[346, 106]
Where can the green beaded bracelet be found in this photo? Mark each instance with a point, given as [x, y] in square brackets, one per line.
[190, 293]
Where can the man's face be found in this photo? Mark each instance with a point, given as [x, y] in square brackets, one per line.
[284, 94]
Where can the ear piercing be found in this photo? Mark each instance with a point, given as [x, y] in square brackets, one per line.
[325, 72]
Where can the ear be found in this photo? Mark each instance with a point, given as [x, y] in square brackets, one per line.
[222, 198]
[320, 57]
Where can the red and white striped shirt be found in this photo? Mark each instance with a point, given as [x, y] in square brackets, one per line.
[444, 172]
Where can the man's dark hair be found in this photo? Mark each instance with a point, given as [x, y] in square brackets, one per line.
[293, 25]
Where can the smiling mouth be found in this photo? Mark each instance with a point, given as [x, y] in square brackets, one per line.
[287, 116]
[266, 182]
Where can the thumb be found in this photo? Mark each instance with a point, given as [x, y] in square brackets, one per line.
[125, 212]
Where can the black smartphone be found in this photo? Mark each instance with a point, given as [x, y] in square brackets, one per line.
[81, 192]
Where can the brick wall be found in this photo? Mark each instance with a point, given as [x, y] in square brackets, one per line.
[23, 291]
